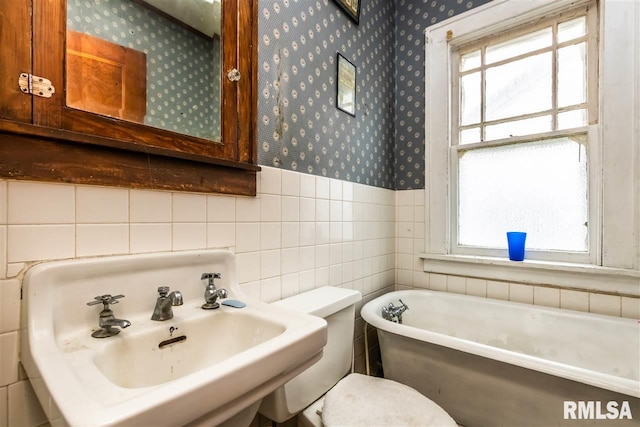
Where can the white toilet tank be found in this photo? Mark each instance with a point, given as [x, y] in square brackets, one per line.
[337, 307]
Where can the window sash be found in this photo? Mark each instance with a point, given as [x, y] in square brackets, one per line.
[593, 196]
[590, 38]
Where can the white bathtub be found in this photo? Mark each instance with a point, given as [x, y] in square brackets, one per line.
[493, 363]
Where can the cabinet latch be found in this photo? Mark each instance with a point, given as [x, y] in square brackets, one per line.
[36, 85]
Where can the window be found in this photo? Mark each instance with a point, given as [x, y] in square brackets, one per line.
[519, 147]
[534, 107]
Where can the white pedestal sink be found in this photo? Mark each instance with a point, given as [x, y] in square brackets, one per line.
[202, 367]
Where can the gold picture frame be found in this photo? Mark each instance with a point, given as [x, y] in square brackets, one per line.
[351, 8]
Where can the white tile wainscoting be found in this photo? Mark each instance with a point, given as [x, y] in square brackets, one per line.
[300, 232]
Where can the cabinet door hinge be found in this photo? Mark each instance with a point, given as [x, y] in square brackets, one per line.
[36, 85]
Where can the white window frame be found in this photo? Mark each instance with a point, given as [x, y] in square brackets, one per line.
[614, 263]
[594, 182]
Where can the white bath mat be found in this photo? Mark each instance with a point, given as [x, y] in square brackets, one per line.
[360, 400]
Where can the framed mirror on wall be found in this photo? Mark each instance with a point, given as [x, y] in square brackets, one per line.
[145, 93]
[154, 62]
[156, 66]
[346, 86]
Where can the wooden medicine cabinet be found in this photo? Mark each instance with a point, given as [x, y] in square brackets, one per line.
[133, 93]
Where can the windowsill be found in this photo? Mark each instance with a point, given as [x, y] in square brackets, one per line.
[587, 277]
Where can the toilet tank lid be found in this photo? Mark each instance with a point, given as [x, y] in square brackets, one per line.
[321, 302]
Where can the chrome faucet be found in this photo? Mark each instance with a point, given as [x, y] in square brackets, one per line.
[211, 293]
[107, 320]
[164, 304]
[394, 313]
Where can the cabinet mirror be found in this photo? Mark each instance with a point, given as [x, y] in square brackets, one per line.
[153, 62]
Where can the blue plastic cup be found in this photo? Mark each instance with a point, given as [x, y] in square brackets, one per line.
[515, 240]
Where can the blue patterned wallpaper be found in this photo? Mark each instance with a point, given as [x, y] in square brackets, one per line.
[412, 17]
[299, 126]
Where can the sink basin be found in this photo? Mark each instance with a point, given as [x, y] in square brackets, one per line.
[157, 356]
[202, 367]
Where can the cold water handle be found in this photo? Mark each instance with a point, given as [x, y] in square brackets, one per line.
[211, 293]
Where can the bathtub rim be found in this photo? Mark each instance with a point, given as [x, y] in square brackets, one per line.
[370, 313]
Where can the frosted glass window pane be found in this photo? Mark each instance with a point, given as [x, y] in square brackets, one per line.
[519, 45]
[469, 136]
[518, 127]
[470, 99]
[538, 187]
[572, 119]
[572, 29]
[519, 87]
[470, 60]
[572, 75]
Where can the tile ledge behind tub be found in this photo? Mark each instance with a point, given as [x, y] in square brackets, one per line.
[586, 277]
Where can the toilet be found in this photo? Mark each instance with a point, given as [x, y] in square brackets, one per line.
[324, 395]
